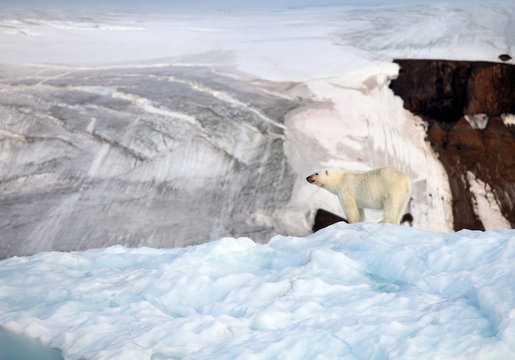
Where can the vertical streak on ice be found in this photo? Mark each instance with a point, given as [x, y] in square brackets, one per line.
[397, 149]
[51, 223]
[97, 161]
[91, 125]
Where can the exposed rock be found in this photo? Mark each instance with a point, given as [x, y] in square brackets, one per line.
[324, 218]
[466, 105]
[504, 57]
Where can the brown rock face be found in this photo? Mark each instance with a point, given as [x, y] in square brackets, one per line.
[464, 103]
[324, 218]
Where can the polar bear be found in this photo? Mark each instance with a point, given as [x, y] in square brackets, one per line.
[384, 188]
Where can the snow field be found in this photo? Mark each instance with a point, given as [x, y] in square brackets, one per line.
[324, 41]
[369, 291]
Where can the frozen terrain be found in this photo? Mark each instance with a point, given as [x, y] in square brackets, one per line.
[159, 127]
[365, 291]
[121, 126]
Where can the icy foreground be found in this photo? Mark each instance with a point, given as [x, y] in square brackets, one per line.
[365, 291]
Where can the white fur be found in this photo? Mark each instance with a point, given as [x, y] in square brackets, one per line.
[384, 188]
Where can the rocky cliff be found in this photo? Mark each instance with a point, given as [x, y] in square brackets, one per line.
[468, 107]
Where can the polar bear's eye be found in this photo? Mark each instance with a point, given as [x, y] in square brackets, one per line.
[316, 174]
[327, 173]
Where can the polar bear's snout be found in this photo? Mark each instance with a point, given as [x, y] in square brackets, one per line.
[313, 179]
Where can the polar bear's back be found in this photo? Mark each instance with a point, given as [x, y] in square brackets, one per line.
[378, 186]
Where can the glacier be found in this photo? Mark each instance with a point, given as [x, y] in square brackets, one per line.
[362, 291]
[121, 126]
[97, 157]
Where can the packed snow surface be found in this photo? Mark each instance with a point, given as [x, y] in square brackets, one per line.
[363, 291]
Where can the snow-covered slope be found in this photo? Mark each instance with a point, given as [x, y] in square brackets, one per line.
[365, 291]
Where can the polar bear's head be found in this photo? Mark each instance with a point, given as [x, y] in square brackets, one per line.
[325, 178]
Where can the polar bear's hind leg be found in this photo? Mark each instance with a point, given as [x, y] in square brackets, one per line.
[402, 208]
[396, 204]
[390, 212]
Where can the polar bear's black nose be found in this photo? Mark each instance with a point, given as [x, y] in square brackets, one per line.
[308, 179]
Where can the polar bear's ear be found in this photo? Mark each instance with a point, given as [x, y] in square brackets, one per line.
[327, 172]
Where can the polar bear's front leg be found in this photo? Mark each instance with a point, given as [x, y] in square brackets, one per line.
[361, 214]
[354, 214]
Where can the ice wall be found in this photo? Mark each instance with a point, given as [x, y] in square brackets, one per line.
[163, 156]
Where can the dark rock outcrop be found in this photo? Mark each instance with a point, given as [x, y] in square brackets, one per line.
[465, 105]
[324, 218]
[504, 57]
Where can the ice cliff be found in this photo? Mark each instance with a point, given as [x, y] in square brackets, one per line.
[162, 156]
